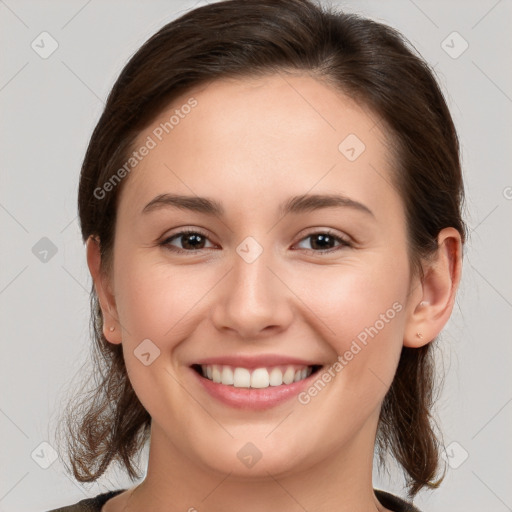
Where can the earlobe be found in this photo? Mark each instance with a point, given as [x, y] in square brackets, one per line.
[436, 293]
[106, 298]
[416, 333]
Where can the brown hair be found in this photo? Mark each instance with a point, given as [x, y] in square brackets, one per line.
[368, 61]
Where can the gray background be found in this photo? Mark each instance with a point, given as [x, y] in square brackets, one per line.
[49, 108]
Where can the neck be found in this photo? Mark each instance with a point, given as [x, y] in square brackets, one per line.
[341, 482]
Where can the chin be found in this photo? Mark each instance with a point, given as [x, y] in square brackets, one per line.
[256, 460]
[259, 470]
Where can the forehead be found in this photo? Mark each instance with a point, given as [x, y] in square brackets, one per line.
[270, 134]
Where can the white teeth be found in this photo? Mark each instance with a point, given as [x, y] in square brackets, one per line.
[289, 374]
[276, 377]
[258, 378]
[241, 378]
[227, 376]
[216, 377]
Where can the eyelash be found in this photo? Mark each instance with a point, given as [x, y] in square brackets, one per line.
[343, 242]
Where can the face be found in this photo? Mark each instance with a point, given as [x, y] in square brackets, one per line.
[265, 282]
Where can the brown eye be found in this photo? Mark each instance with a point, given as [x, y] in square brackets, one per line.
[325, 241]
[189, 240]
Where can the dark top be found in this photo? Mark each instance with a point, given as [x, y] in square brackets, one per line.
[390, 501]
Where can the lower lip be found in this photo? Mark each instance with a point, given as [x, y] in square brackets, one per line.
[253, 398]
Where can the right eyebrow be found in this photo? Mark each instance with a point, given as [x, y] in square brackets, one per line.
[192, 203]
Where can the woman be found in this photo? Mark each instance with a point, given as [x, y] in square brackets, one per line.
[271, 205]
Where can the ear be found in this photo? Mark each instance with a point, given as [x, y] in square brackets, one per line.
[103, 290]
[433, 297]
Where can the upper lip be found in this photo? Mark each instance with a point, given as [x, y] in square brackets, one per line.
[256, 361]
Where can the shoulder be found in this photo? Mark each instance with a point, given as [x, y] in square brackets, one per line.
[89, 504]
[394, 503]
[386, 499]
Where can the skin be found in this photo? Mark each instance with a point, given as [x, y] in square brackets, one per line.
[251, 144]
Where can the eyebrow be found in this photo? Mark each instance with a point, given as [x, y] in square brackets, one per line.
[294, 205]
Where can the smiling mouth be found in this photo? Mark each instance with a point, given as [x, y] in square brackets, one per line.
[258, 378]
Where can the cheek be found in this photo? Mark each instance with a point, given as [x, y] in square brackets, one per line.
[152, 300]
[155, 303]
[352, 296]
[361, 312]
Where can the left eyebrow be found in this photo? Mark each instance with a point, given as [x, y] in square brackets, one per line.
[309, 202]
[294, 205]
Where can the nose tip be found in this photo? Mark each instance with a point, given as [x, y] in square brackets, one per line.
[252, 300]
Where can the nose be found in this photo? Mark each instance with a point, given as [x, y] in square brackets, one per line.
[253, 299]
